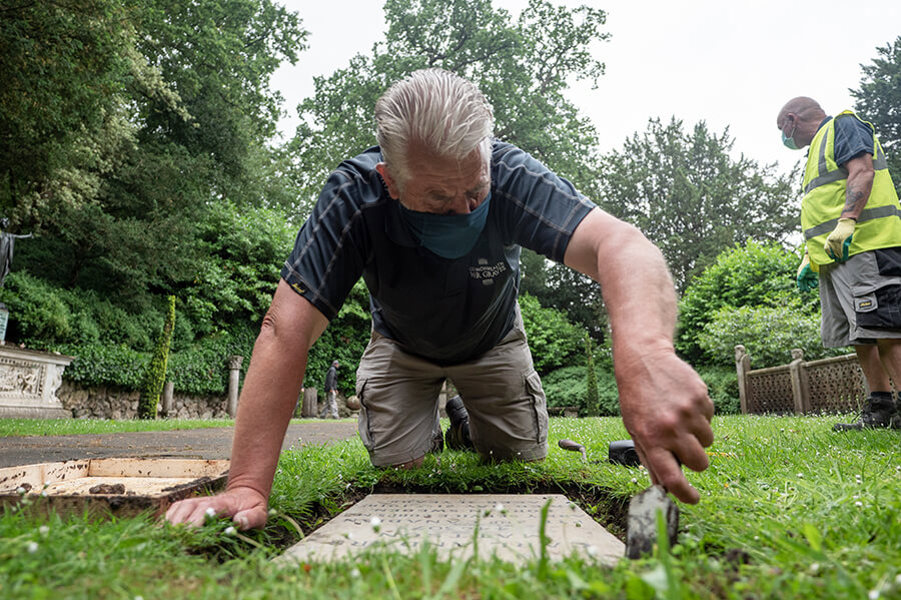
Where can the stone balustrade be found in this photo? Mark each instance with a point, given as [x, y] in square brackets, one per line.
[29, 381]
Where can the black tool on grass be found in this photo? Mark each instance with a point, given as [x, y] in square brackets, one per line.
[622, 452]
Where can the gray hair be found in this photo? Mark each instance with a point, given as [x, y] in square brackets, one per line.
[443, 111]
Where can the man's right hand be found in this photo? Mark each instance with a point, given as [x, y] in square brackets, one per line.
[246, 507]
[807, 279]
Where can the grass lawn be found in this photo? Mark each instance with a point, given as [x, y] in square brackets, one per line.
[789, 509]
[21, 427]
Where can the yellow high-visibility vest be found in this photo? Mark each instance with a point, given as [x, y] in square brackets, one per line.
[879, 224]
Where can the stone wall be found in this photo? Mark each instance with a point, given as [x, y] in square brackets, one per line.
[115, 403]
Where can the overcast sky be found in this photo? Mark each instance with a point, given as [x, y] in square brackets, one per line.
[729, 62]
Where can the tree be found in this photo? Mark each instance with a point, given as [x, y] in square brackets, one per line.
[63, 107]
[691, 198]
[155, 376]
[522, 67]
[139, 221]
[878, 100]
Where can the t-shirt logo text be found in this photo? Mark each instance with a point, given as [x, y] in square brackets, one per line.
[485, 272]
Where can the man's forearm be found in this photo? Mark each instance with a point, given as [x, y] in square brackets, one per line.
[635, 282]
[271, 388]
[639, 295]
[264, 411]
[858, 186]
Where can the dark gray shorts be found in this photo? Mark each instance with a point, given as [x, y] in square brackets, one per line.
[501, 390]
[861, 299]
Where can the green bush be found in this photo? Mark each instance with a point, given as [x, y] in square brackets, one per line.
[38, 316]
[749, 276]
[553, 340]
[569, 387]
[43, 316]
[99, 364]
[592, 398]
[202, 368]
[343, 340]
[768, 333]
[722, 386]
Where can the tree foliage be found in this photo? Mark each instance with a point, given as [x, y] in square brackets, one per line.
[742, 277]
[137, 148]
[565, 289]
[878, 99]
[134, 143]
[63, 116]
[691, 198]
[522, 66]
[553, 340]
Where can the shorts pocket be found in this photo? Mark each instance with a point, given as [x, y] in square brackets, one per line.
[880, 308]
[888, 261]
[539, 406]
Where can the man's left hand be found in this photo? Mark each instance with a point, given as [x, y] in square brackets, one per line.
[667, 411]
[838, 243]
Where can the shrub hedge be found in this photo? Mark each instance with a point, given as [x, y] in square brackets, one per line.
[568, 387]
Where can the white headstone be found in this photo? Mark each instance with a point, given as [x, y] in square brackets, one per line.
[508, 525]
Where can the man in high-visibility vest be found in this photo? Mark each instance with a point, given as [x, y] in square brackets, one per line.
[851, 221]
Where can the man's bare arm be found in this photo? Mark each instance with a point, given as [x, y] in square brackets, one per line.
[664, 403]
[859, 185]
[267, 402]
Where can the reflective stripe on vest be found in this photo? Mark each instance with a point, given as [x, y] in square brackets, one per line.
[879, 224]
[879, 162]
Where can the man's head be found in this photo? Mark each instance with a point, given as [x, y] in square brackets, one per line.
[435, 129]
[799, 121]
[335, 364]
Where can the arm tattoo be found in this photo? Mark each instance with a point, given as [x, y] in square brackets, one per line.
[855, 198]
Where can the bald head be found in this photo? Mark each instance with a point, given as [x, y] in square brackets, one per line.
[800, 118]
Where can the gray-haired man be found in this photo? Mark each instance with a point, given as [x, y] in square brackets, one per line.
[433, 219]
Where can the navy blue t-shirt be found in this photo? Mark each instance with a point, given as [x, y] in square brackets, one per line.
[853, 137]
[448, 311]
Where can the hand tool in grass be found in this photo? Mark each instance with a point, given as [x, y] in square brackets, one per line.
[573, 447]
[641, 524]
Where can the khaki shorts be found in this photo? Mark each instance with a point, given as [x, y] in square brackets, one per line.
[501, 390]
[861, 299]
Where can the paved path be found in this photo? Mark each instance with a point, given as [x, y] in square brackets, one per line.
[188, 443]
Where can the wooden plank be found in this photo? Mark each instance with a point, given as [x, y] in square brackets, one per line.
[34, 476]
[156, 467]
[122, 487]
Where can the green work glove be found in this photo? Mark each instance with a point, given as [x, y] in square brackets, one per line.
[807, 279]
[839, 241]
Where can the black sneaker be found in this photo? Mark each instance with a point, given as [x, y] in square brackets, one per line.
[879, 413]
[457, 436]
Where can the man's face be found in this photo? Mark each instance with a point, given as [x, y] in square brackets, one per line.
[441, 186]
[793, 126]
